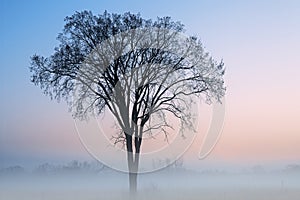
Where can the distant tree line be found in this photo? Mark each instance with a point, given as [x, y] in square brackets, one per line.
[47, 168]
[71, 167]
[93, 167]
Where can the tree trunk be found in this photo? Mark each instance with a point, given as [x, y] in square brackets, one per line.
[133, 163]
[132, 167]
[132, 183]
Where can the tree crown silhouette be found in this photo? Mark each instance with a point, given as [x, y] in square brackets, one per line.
[136, 68]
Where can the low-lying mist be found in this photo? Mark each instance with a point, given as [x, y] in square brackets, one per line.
[92, 180]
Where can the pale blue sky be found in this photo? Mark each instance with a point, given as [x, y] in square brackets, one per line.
[258, 40]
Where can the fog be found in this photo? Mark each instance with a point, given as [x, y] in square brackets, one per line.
[94, 181]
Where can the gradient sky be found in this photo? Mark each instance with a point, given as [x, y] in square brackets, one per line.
[259, 42]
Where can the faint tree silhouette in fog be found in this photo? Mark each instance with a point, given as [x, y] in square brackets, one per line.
[16, 169]
[127, 64]
[70, 168]
[292, 168]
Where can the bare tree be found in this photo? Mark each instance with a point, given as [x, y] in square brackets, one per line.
[138, 69]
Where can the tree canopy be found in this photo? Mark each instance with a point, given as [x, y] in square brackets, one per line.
[139, 64]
